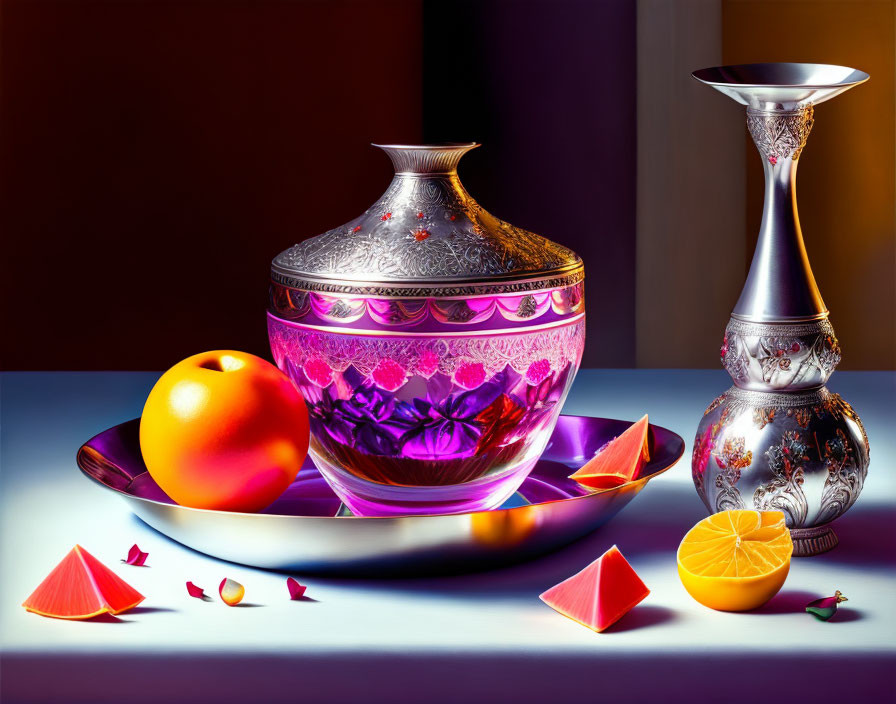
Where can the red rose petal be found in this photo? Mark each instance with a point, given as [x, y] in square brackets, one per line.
[296, 590]
[136, 557]
[194, 591]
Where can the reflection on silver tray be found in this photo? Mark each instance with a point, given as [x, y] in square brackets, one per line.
[307, 529]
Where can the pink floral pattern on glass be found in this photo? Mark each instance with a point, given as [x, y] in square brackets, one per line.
[389, 375]
[318, 372]
[428, 364]
[538, 371]
[470, 375]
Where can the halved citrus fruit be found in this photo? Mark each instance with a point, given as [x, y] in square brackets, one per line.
[735, 560]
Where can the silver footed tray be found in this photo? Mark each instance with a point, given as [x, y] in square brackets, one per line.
[308, 529]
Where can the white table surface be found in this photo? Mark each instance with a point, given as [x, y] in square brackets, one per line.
[477, 637]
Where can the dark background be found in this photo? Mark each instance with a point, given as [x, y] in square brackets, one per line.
[156, 155]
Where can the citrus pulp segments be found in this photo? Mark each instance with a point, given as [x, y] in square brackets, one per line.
[81, 587]
[736, 560]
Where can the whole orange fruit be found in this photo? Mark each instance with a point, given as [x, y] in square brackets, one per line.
[224, 430]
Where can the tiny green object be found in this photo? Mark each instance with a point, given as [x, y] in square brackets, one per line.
[824, 609]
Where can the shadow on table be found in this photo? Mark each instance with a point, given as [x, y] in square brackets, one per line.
[641, 616]
[139, 610]
[649, 529]
[867, 537]
[790, 602]
[651, 526]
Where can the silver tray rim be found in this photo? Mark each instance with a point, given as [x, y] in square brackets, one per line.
[639, 482]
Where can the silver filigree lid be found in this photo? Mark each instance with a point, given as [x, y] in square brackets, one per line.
[425, 232]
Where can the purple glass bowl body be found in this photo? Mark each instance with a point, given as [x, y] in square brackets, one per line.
[427, 416]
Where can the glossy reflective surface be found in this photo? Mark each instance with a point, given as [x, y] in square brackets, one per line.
[781, 86]
[308, 528]
[421, 424]
[779, 439]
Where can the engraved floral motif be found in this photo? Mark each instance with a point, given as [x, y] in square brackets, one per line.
[763, 416]
[527, 307]
[459, 312]
[477, 245]
[779, 356]
[780, 135]
[340, 309]
[844, 481]
[373, 312]
[560, 346]
[785, 491]
[718, 401]
[731, 460]
[484, 288]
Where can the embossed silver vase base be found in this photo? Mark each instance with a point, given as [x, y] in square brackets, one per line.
[778, 439]
[802, 453]
[813, 541]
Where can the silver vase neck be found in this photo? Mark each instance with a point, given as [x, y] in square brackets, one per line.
[426, 159]
[780, 286]
[780, 100]
[429, 168]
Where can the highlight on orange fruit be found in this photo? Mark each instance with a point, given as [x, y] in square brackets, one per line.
[736, 560]
[224, 430]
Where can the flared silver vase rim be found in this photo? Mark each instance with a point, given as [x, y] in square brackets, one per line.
[764, 75]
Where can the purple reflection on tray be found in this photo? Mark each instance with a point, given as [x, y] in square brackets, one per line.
[113, 458]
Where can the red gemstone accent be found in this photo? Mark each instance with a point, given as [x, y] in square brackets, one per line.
[773, 159]
[795, 347]
[779, 353]
[421, 235]
[454, 217]
[386, 216]
[357, 229]
[419, 216]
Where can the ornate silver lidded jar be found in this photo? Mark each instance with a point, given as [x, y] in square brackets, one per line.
[434, 344]
[778, 439]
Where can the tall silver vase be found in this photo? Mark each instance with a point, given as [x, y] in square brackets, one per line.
[778, 439]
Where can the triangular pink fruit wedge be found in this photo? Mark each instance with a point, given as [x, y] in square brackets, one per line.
[600, 594]
[621, 459]
[82, 587]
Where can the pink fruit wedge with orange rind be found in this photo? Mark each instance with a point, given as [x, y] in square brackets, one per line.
[600, 594]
